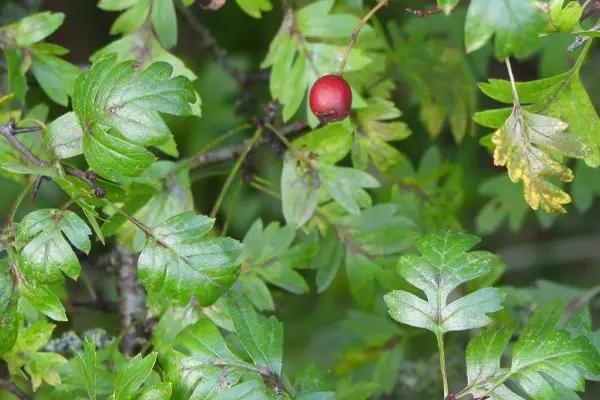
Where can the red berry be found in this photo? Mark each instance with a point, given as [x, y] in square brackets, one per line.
[330, 98]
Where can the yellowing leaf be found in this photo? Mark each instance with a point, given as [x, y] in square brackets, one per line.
[530, 146]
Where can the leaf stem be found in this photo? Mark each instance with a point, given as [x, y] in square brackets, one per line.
[356, 31]
[512, 83]
[234, 171]
[440, 344]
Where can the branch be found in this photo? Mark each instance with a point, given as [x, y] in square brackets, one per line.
[10, 132]
[14, 389]
[229, 153]
[132, 300]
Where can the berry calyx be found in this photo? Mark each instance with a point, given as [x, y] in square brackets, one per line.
[330, 98]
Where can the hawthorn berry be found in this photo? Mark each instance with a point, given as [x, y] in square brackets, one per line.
[330, 98]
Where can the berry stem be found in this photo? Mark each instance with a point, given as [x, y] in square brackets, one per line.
[356, 31]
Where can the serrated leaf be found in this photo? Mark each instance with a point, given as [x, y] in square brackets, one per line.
[345, 185]
[125, 48]
[118, 106]
[528, 145]
[86, 367]
[31, 29]
[543, 354]
[299, 191]
[445, 263]
[179, 261]
[451, 97]
[64, 136]
[561, 96]
[377, 126]
[132, 375]
[40, 366]
[261, 337]
[45, 251]
[516, 24]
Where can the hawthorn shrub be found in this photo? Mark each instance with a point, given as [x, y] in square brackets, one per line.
[187, 217]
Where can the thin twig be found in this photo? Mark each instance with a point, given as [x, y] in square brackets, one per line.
[229, 153]
[356, 31]
[14, 389]
[248, 147]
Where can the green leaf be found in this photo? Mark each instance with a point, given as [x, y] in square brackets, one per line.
[31, 29]
[125, 48]
[132, 375]
[164, 20]
[300, 185]
[586, 187]
[46, 302]
[45, 252]
[9, 323]
[257, 291]
[330, 143]
[448, 5]
[206, 345]
[543, 355]
[506, 203]
[40, 366]
[132, 19]
[17, 69]
[528, 145]
[55, 76]
[153, 207]
[564, 17]
[255, 8]
[178, 261]
[450, 97]
[361, 272]
[119, 106]
[516, 23]
[445, 264]
[268, 255]
[64, 136]
[261, 337]
[376, 128]
[159, 391]
[327, 261]
[346, 185]
[116, 5]
[86, 367]
[561, 96]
